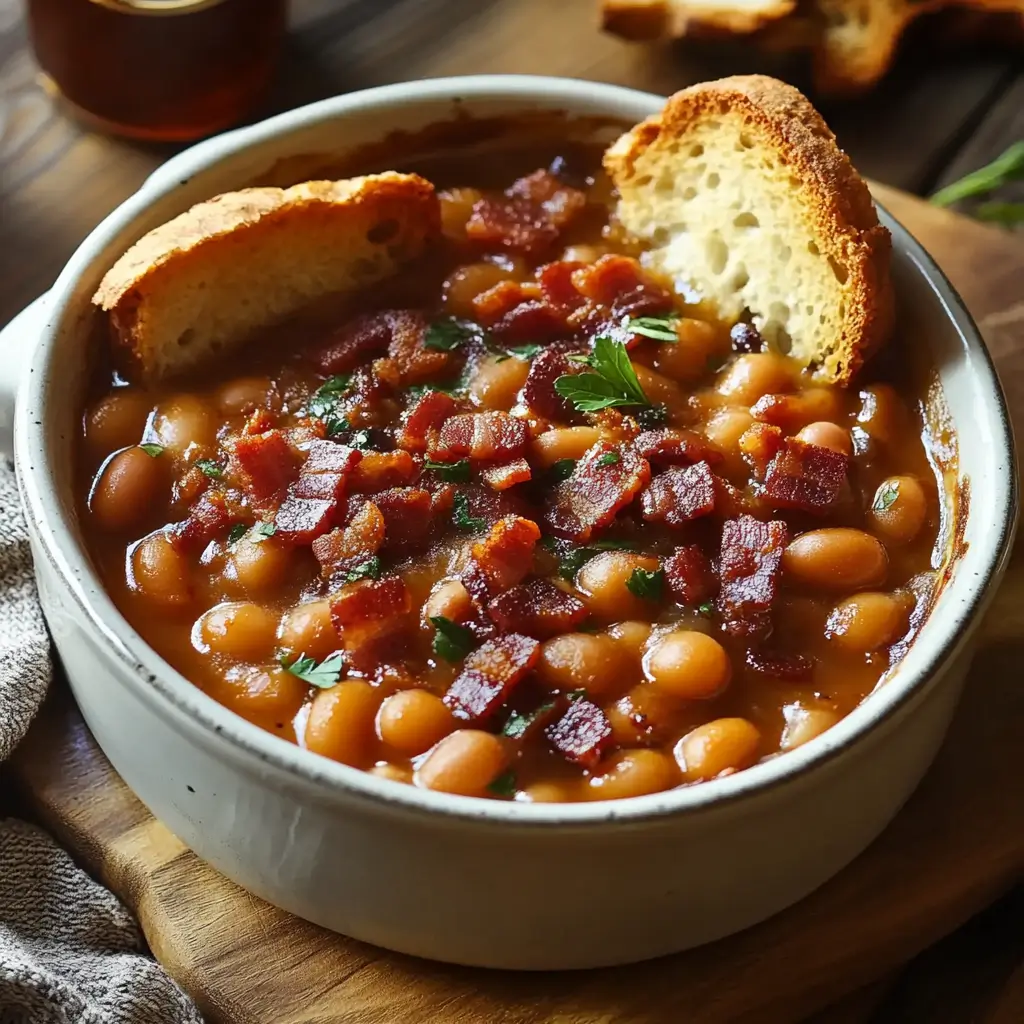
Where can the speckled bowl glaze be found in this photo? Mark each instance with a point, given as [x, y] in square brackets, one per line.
[474, 881]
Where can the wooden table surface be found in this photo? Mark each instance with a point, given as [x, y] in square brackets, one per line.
[934, 118]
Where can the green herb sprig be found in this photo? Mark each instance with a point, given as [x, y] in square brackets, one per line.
[646, 583]
[1007, 167]
[451, 641]
[613, 381]
[461, 515]
[658, 328]
[323, 674]
[453, 472]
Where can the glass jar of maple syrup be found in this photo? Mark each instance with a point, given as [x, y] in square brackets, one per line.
[158, 69]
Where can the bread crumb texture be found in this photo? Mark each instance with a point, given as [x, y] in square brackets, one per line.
[199, 285]
[744, 198]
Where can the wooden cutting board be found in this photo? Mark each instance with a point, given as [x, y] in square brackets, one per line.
[957, 845]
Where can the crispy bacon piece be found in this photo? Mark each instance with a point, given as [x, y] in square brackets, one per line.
[208, 517]
[679, 495]
[530, 322]
[672, 447]
[416, 362]
[187, 489]
[581, 734]
[379, 470]
[507, 474]
[408, 517]
[529, 217]
[501, 559]
[353, 343]
[348, 546]
[749, 568]
[300, 521]
[267, 463]
[370, 611]
[494, 303]
[556, 285]
[591, 497]
[759, 444]
[490, 505]
[689, 576]
[482, 436]
[537, 608]
[539, 390]
[620, 283]
[804, 476]
[260, 421]
[314, 500]
[776, 665]
[489, 674]
[423, 419]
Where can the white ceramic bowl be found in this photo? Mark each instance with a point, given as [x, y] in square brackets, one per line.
[475, 881]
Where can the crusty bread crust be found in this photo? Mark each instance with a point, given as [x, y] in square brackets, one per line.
[838, 200]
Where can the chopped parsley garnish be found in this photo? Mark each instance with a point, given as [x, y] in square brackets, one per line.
[453, 472]
[613, 381]
[525, 351]
[210, 468]
[652, 416]
[504, 785]
[659, 328]
[886, 496]
[646, 583]
[325, 404]
[451, 641]
[562, 469]
[152, 450]
[450, 333]
[263, 530]
[609, 459]
[461, 517]
[518, 722]
[237, 532]
[368, 570]
[323, 674]
[707, 609]
[359, 438]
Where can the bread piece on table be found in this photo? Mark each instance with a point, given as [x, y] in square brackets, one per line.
[200, 284]
[743, 196]
[645, 20]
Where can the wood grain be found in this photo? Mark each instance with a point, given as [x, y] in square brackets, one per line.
[957, 846]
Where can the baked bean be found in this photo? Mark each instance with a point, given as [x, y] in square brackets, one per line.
[603, 583]
[562, 443]
[465, 762]
[160, 573]
[827, 435]
[584, 253]
[582, 661]
[724, 430]
[239, 630]
[268, 692]
[723, 745]
[550, 792]
[792, 412]
[658, 388]
[835, 558]
[341, 722]
[116, 421]
[631, 636]
[394, 772]
[803, 724]
[898, 509]
[456, 207]
[868, 621]
[882, 415]
[260, 568]
[412, 721]
[633, 773]
[184, 420]
[449, 599]
[469, 281]
[642, 714]
[308, 629]
[686, 360]
[497, 381]
[755, 374]
[689, 665]
[126, 490]
[243, 395]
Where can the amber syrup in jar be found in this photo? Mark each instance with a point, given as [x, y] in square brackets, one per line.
[169, 70]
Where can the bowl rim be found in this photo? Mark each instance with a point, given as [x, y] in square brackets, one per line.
[155, 681]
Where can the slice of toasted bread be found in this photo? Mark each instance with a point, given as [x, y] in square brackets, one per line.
[743, 196]
[644, 20]
[198, 285]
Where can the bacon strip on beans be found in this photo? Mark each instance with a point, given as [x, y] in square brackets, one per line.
[489, 674]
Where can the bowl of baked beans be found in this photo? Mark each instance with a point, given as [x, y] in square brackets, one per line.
[598, 650]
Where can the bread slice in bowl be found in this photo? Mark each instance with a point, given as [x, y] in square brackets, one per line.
[744, 198]
[199, 285]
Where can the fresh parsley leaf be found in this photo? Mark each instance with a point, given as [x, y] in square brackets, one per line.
[453, 472]
[325, 404]
[652, 416]
[886, 496]
[359, 439]
[237, 532]
[368, 570]
[706, 609]
[451, 641]
[1007, 214]
[609, 459]
[613, 382]
[323, 675]
[518, 722]
[646, 583]
[659, 328]
[335, 385]
[1005, 168]
[461, 517]
[152, 450]
[562, 469]
[210, 468]
[450, 333]
[263, 530]
[504, 785]
[525, 351]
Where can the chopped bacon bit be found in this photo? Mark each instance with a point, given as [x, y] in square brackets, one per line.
[619, 282]
[300, 521]
[749, 569]
[676, 447]
[494, 303]
[537, 608]
[483, 436]
[805, 476]
[190, 486]
[776, 665]
[260, 421]
[379, 470]
[679, 495]
[267, 462]
[424, 417]
[792, 412]
[407, 517]
[442, 501]
[539, 390]
[490, 505]
[556, 285]
[207, 517]
[347, 546]
[759, 444]
[507, 474]
[489, 675]
[353, 343]
[368, 611]
[312, 505]
[689, 576]
[530, 322]
[415, 362]
[529, 217]
[591, 497]
[581, 734]
[501, 559]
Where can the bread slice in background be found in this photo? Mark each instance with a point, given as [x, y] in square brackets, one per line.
[744, 198]
[199, 285]
[646, 20]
